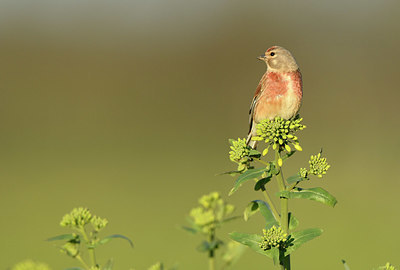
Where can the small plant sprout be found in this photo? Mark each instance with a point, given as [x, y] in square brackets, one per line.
[280, 237]
[85, 237]
[205, 219]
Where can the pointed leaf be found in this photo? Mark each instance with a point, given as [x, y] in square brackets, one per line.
[67, 237]
[262, 182]
[254, 153]
[248, 175]
[293, 222]
[110, 237]
[189, 229]
[203, 247]
[286, 156]
[301, 237]
[315, 194]
[253, 241]
[259, 205]
[294, 178]
[233, 173]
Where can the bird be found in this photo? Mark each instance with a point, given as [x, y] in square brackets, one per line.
[279, 92]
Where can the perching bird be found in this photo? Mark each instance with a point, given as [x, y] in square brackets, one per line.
[279, 92]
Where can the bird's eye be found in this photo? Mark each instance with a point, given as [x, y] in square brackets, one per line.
[272, 54]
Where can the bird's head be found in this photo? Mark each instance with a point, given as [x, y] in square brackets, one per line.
[279, 59]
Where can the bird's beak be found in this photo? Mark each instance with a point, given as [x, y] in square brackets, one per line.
[261, 57]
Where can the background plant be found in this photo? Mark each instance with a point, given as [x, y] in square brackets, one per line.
[280, 237]
[205, 220]
[81, 244]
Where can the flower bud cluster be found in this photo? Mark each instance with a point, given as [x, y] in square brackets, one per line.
[211, 212]
[79, 217]
[240, 153]
[303, 172]
[274, 237]
[318, 165]
[280, 133]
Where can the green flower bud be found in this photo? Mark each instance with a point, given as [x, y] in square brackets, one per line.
[274, 237]
[280, 162]
[298, 147]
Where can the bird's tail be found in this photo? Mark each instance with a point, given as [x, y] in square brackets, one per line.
[249, 142]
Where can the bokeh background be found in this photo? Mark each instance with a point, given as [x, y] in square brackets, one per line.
[126, 107]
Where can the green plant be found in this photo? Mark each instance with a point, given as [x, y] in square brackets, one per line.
[280, 237]
[205, 219]
[85, 237]
[30, 265]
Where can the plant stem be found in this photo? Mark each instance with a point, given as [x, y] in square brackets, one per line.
[271, 204]
[285, 263]
[211, 253]
[79, 258]
[89, 247]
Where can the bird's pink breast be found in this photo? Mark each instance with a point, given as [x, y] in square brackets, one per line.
[281, 94]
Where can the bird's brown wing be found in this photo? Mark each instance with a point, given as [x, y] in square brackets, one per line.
[253, 105]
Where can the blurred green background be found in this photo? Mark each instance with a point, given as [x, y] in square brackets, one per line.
[126, 107]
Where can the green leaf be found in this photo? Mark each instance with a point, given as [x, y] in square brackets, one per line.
[109, 265]
[293, 222]
[262, 182]
[190, 229]
[248, 175]
[251, 240]
[275, 255]
[233, 173]
[294, 178]
[254, 153]
[203, 247]
[315, 194]
[346, 267]
[74, 268]
[67, 237]
[288, 155]
[110, 237]
[301, 237]
[259, 205]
